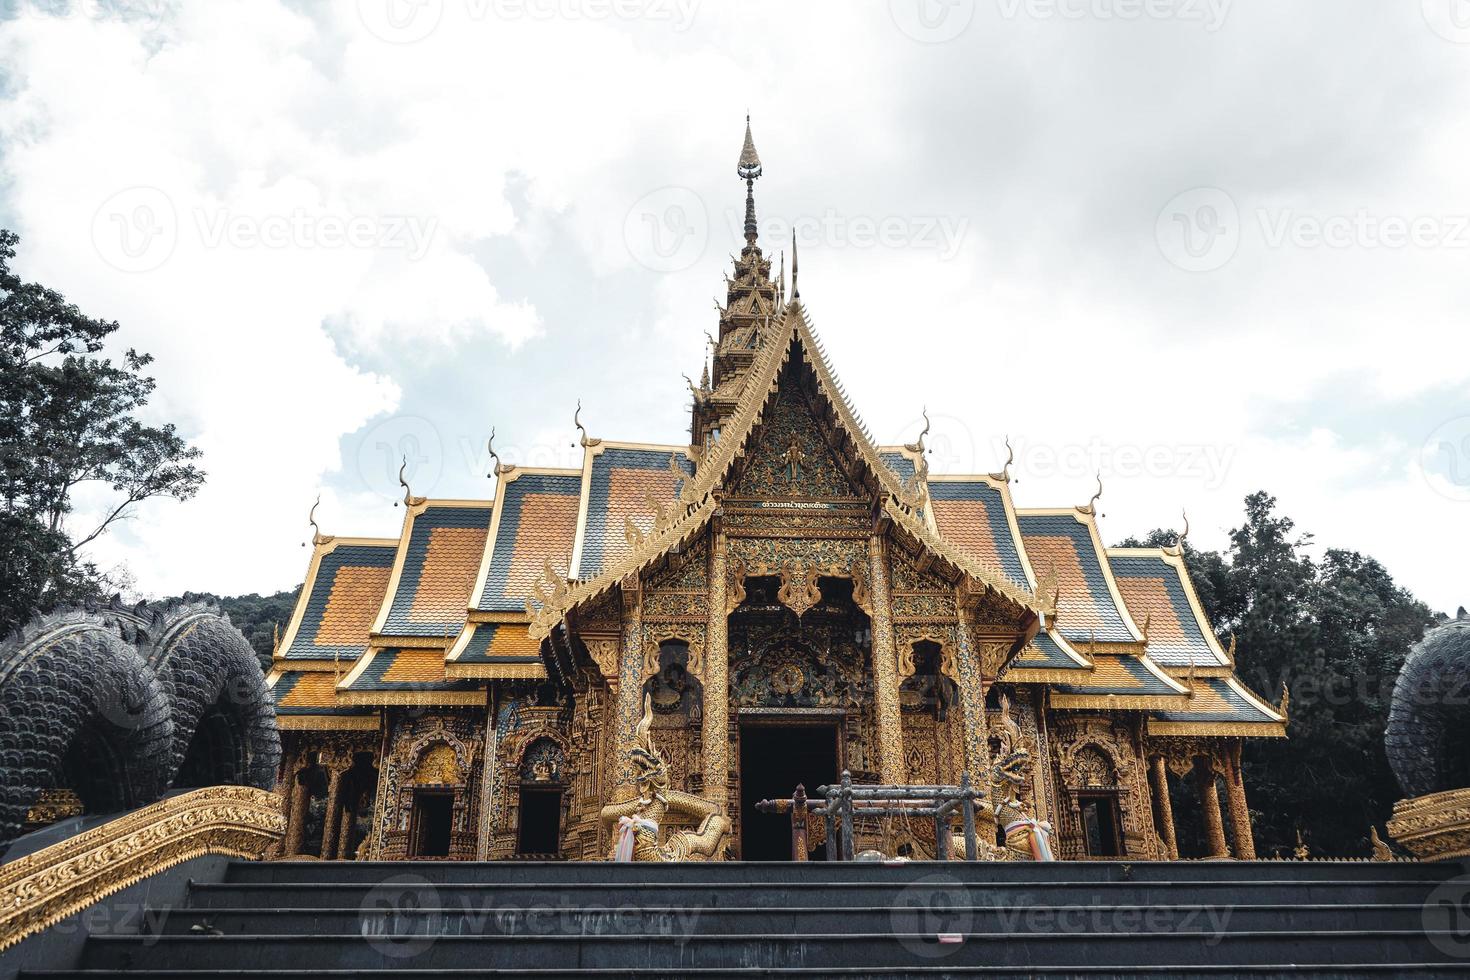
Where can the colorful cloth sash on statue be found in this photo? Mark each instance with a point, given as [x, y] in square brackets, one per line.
[628, 828]
[1039, 836]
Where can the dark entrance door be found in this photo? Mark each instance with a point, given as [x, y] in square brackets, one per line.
[433, 816]
[1100, 824]
[540, 830]
[773, 759]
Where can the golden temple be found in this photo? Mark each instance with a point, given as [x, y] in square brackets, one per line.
[774, 602]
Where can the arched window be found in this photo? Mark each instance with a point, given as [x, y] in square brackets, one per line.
[542, 777]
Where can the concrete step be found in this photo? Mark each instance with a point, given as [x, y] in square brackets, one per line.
[407, 888]
[677, 922]
[786, 872]
[1280, 971]
[825, 951]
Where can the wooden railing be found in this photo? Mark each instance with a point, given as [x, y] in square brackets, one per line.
[838, 804]
[39, 890]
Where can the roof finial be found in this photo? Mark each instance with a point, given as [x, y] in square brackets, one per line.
[317, 537]
[409, 500]
[500, 468]
[1004, 476]
[749, 168]
[795, 290]
[918, 446]
[587, 442]
[1091, 508]
[1178, 548]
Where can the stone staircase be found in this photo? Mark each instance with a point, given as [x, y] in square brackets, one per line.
[1068, 919]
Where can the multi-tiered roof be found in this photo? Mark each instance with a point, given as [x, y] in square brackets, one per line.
[471, 590]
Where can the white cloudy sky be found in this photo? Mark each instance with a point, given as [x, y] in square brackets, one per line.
[1208, 246]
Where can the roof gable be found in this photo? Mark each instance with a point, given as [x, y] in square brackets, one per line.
[535, 522]
[1156, 589]
[344, 588]
[439, 552]
[1089, 609]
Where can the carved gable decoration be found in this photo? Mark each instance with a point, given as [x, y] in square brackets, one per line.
[789, 455]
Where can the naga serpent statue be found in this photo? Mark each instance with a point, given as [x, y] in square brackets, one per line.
[635, 822]
[1429, 718]
[119, 704]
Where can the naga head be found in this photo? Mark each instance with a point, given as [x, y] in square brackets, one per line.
[650, 771]
[1012, 768]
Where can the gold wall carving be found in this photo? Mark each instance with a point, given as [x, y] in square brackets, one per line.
[39, 890]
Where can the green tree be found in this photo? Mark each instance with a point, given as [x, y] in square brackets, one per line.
[1335, 633]
[69, 420]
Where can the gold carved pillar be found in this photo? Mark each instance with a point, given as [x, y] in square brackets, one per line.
[971, 683]
[714, 735]
[330, 822]
[1209, 801]
[1158, 784]
[1240, 817]
[630, 680]
[296, 820]
[885, 668]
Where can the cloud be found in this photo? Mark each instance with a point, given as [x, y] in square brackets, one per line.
[351, 238]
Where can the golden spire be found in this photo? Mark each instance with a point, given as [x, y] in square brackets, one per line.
[795, 289]
[749, 168]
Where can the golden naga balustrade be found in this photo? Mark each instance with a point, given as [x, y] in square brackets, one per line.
[39, 890]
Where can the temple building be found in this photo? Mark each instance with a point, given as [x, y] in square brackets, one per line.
[785, 600]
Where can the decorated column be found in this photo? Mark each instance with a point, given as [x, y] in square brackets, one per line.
[1158, 778]
[296, 820]
[972, 700]
[885, 669]
[1209, 802]
[334, 806]
[1240, 817]
[714, 735]
[630, 681]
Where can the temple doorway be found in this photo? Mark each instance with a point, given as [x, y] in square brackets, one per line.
[540, 830]
[433, 818]
[1101, 824]
[774, 758]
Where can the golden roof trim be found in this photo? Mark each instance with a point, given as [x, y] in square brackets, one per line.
[328, 723]
[391, 699]
[497, 672]
[1248, 729]
[1121, 702]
